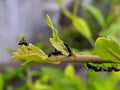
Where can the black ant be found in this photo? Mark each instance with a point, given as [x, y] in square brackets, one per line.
[116, 69]
[94, 68]
[109, 69]
[56, 52]
[68, 48]
[23, 42]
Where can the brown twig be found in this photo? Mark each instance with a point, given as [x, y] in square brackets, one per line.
[79, 58]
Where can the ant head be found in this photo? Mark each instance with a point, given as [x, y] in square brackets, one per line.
[89, 66]
[66, 43]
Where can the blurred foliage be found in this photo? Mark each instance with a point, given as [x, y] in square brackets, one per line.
[56, 79]
[96, 13]
[1, 82]
[116, 2]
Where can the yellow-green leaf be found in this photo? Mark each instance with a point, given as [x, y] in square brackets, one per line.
[55, 40]
[29, 53]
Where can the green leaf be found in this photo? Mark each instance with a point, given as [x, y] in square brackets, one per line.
[29, 53]
[96, 13]
[112, 17]
[82, 27]
[113, 30]
[56, 41]
[1, 82]
[108, 49]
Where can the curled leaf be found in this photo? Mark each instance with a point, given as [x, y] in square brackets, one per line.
[29, 53]
[55, 40]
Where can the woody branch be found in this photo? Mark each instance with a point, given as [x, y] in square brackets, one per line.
[79, 58]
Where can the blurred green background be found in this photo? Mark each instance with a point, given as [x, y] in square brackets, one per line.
[80, 22]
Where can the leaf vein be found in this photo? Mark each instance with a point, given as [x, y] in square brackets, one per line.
[113, 53]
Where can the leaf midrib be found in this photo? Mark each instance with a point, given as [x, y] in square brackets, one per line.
[113, 53]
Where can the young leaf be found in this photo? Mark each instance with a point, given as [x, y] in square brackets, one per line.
[82, 27]
[108, 49]
[96, 13]
[29, 53]
[56, 41]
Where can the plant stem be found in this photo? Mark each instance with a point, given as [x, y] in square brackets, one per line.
[79, 58]
[29, 77]
[76, 7]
